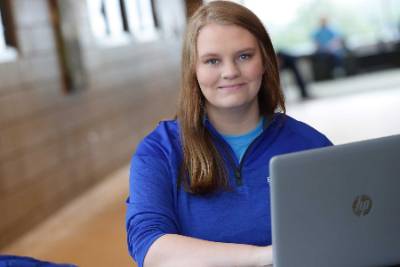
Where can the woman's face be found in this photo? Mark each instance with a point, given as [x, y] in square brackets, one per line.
[229, 67]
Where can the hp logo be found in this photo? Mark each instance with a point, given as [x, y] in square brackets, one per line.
[362, 205]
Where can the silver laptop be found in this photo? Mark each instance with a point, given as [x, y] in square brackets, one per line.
[337, 206]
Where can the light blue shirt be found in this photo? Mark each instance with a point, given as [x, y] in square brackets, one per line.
[324, 37]
[239, 143]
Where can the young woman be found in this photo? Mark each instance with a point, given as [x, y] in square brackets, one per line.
[199, 192]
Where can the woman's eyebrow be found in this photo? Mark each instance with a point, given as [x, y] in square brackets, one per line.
[250, 49]
[208, 55]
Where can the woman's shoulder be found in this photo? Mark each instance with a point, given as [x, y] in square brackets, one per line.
[163, 138]
[164, 129]
[301, 130]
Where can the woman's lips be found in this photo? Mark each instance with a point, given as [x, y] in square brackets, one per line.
[231, 86]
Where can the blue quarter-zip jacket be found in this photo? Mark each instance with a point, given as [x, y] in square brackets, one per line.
[158, 206]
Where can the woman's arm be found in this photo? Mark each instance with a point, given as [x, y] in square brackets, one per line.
[172, 250]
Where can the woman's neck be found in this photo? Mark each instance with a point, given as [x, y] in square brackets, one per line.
[236, 121]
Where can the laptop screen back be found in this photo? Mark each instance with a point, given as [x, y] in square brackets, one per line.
[337, 206]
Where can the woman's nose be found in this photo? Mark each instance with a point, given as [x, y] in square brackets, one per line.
[230, 71]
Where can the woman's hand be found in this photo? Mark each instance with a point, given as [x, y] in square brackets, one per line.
[264, 256]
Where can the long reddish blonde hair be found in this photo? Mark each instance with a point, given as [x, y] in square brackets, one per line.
[203, 169]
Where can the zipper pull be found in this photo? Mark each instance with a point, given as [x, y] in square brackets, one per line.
[238, 177]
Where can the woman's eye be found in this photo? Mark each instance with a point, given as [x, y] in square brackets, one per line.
[244, 56]
[212, 61]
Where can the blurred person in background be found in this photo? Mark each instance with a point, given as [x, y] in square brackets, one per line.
[329, 45]
[286, 61]
[199, 187]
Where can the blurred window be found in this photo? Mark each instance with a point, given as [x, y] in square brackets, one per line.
[8, 50]
[120, 20]
[361, 22]
[142, 19]
[107, 20]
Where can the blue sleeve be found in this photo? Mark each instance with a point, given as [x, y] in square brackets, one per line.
[150, 206]
[24, 261]
[310, 137]
[320, 140]
[327, 142]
